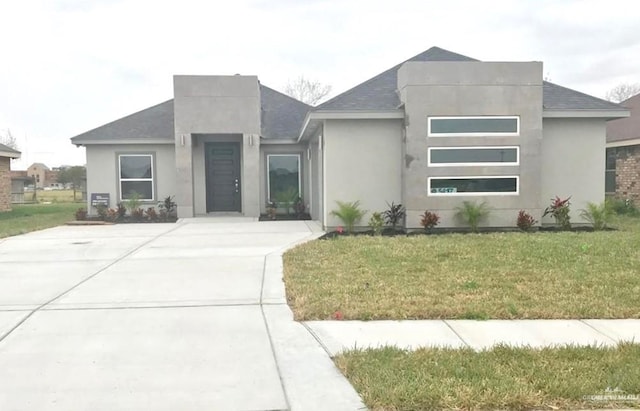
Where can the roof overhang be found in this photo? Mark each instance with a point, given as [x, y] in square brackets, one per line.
[275, 141]
[624, 143]
[11, 154]
[314, 118]
[606, 114]
[128, 141]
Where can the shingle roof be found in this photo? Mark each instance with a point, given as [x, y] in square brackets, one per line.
[556, 97]
[379, 92]
[282, 116]
[626, 128]
[4, 150]
[153, 123]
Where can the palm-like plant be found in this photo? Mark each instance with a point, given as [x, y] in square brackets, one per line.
[349, 213]
[473, 213]
[599, 215]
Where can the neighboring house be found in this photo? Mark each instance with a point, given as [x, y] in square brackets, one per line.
[623, 154]
[6, 154]
[431, 132]
[19, 181]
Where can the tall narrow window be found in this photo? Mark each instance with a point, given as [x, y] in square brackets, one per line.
[136, 176]
[610, 172]
[284, 178]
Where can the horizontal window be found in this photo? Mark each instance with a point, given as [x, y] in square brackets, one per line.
[136, 176]
[473, 185]
[471, 156]
[473, 126]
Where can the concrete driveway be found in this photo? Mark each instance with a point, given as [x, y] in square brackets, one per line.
[186, 316]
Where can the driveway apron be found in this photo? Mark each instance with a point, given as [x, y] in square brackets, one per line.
[186, 316]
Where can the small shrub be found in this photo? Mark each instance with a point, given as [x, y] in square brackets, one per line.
[81, 214]
[525, 221]
[376, 222]
[472, 213]
[299, 207]
[112, 214]
[599, 215]
[429, 220]
[133, 202]
[151, 214]
[286, 199]
[559, 210]
[349, 213]
[168, 208]
[272, 210]
[121, 210]
[394, 214]
[101, 209]
[137, 214]
[623, 207]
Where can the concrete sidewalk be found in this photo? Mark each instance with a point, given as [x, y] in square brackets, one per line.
[338, 336]
[186, 316]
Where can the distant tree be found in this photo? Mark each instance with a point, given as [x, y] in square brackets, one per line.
[8, 139]
[307, 91]
[75, 176]
[623, 91]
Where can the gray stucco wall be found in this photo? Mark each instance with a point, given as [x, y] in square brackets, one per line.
[573, 162]
[102, 170]
[362, 161]
[315, 177]
[216, 105]
[470, 89]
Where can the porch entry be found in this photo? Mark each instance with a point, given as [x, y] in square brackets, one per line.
[222, 168]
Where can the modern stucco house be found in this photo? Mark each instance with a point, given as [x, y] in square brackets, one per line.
[6, 154]
[623, 154]
[429, 133]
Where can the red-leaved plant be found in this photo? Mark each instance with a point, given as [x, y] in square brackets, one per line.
[525, 221]
[559, 210]
[429, 220]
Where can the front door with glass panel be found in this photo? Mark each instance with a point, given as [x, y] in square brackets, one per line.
[222, 168]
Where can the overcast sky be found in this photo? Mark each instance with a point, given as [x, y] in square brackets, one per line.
[69, 66]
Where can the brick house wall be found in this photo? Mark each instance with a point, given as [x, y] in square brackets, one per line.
[628, 173]
[5, 184]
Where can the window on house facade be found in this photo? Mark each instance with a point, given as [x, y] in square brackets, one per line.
[284, 177]
[610, 171]
[136, 176]
[485, 185]
[473, 126]
[472, 156]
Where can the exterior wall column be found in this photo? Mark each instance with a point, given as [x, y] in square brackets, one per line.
[184, 175]
[250, 175]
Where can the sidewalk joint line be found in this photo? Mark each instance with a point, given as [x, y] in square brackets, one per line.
[317, 338]
[456, 333]
[271, 345]
[598, 331]
[114, 262]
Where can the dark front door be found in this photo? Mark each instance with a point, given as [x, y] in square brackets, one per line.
[222, 162]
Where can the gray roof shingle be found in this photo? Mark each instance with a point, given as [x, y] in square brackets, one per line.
[153, 123]
[555, 97]
[282, 116]
[9, 150]
[379, 92]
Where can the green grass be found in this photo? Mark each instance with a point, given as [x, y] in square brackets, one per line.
[500, 378]
[54, 196]
[473, 276]
[31, 217]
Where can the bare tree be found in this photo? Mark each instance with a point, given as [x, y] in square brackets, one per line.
[623, 91]
[307, 91]
[8, 140]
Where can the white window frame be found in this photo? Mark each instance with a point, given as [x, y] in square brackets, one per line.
[300, 194]
[501, 193]
[473, 134]
[498, 164]
[120, 179]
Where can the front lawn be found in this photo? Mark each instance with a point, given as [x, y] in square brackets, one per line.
[472, 276]
[500, 378]
[31, 217]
